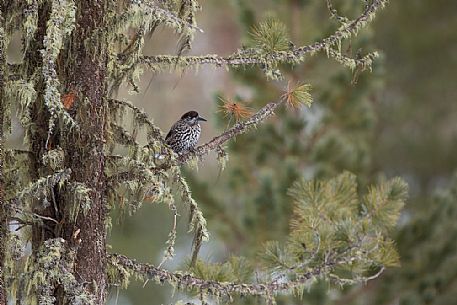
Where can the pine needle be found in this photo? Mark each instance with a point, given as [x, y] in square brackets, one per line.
[271, 35]
[235, 110]
[298, 95]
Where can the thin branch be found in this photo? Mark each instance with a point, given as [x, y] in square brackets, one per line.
[141, 116]
[12, 206]
[236, 130]
[170, 251]
[344, 281]
[334, 13]
[376, 275]
[19, 152]
[256, 57]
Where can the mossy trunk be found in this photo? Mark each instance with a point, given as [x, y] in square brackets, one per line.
[84, 149]
[81, 69]
[3, 212]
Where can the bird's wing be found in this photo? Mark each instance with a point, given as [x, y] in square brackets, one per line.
[168, 136]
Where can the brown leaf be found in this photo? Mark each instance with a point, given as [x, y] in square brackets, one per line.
[68, 100]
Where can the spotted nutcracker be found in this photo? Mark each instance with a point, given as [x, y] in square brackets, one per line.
[184, 134]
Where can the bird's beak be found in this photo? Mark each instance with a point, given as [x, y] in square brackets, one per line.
[201, 119]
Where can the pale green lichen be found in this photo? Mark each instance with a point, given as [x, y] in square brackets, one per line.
[22, 94]
[41, 189]
[49, 268]
[80, 198]
[54, 158]
[59, 26]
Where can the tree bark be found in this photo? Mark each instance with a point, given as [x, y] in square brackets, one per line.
[82, 69]
[84, 148]
[3, 212]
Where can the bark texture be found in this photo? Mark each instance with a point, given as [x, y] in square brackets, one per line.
[3, 212]
[81, 69]
[85, 148]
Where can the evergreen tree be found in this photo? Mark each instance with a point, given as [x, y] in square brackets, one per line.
[56, 195]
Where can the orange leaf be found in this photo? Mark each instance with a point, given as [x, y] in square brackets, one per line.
[68, 100]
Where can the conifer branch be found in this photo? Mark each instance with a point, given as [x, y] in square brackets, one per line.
[220, 289]
[188, 281]
[257, 57]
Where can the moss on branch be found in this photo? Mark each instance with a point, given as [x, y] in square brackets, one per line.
[295, 55]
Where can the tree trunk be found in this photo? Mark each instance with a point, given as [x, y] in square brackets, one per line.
[3, 212]
[82, 69]
[85, 148]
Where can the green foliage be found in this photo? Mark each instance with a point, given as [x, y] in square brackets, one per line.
[300, 95]
[326, 219]
[329, 228]
[235, 269]
[427, 249]
[384, 202]
[271, 36]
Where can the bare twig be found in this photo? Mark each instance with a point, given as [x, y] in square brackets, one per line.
[12, 206]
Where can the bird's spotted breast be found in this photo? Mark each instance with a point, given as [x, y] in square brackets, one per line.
[183, 137]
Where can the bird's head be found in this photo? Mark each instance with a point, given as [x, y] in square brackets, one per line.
[192, 118]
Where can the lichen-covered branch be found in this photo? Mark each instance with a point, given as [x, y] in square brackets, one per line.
[140, 116]
[237, 129]
[295, 55]
[197, 222]
[244, 58]
[155, 13]
[219, 289]
[187, 281]
[334, 13]
[42, 187]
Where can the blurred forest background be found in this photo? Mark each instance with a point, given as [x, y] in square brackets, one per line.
[399, 120]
